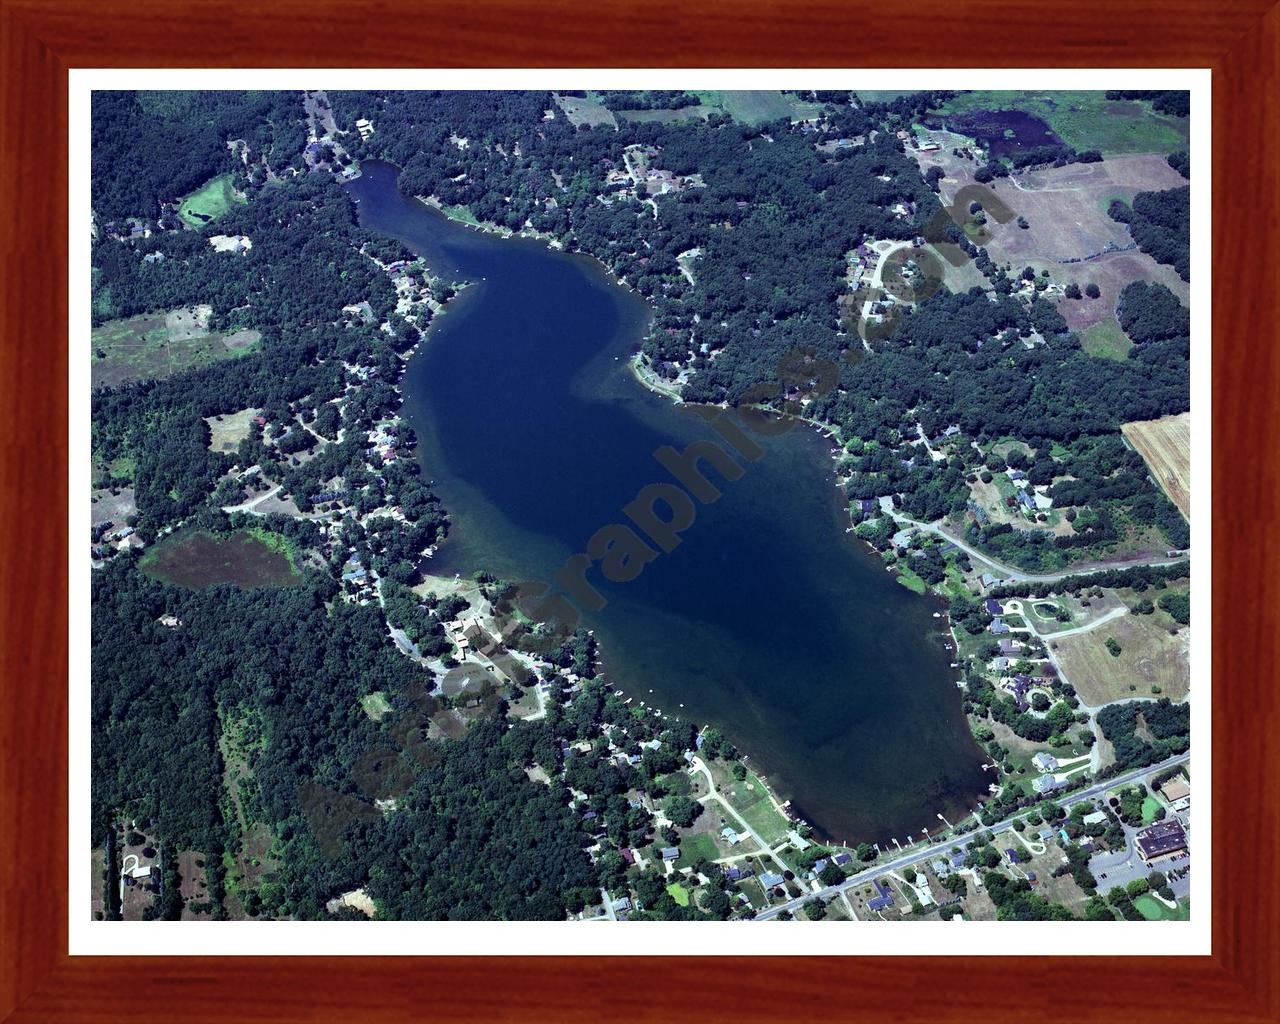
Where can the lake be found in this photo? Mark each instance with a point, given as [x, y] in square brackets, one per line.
[767, 620]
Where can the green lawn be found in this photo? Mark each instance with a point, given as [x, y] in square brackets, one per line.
[1106, 340]
[696, 847]
[679, 893]
[1153, 910]
[209, 202]
[909, 579]
[1150, 808]
[1086, 119]
[757, 809]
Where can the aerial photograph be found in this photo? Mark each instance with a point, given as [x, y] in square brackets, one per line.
[639, 505]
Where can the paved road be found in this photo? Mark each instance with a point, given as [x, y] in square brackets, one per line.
[713, 794]
[928, 852]
[1018, 575]
[1115, 613]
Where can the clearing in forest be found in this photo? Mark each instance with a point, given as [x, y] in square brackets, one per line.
[209, 202]
[158, 345]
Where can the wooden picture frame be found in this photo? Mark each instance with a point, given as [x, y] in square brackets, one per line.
[41, 40]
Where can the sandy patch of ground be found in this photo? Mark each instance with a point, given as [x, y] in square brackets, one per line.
[357, 899]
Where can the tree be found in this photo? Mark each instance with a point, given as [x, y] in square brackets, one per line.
[1072, 291]
[1092, 290]
[831, 873]
[682, 810]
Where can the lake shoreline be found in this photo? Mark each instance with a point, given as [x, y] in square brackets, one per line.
[711, 671]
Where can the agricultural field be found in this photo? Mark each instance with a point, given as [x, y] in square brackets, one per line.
[155, 346]
[227, 431]
[1086, 119]
[1066, 212]
[200, 559]
[209, 202]
[582, 110]
[1165, 444]
[1149, 656]
[1066, 207]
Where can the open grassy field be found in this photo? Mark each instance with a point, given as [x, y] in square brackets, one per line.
[1149, 656]
[750, 106]
[209, 202]
[581, 110]
[1165, 444]
[1086, 119]
[695, 847]
[1106, 340]
[1065, 209]
[226, 432]
[158, 345]
[200, 559]
[375, 705]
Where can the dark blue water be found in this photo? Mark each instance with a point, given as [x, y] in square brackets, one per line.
[767, 620]
[1002, 132]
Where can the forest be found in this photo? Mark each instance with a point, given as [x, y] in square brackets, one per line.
[1160, 223]
[152, 148]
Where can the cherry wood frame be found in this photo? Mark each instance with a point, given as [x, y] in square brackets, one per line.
[41, 39]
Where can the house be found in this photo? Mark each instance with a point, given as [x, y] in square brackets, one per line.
[730, 836]
[1164, 839]
[1026, 501]
[364, 127]
[670, 853]
[1096, 818]
[1045, 762]
[842, 858]
[771, 879]
[993, 606]
[797, 840]
[988, 580]
[883, 897]
[1014, 856]
[627, 854]
[997, 627]
[622, 903]
[733, 874]
[1046, 784]
[1008, 646]
[940, 867]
